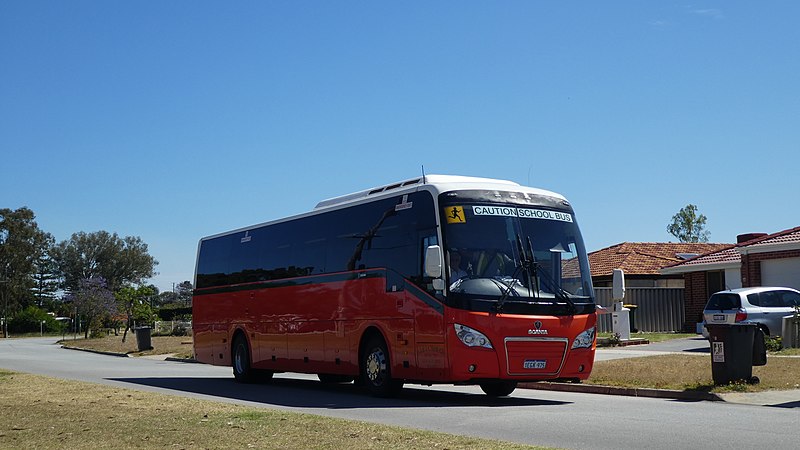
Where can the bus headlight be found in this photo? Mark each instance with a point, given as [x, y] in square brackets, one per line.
[584, 340]
[471, 337]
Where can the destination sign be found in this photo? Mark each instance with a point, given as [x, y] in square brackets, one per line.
[522, 213]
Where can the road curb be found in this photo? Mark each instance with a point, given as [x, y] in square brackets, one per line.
[630, 392]
[182, 360]
[99, 352]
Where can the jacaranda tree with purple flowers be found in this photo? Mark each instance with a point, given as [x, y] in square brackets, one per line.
[93, 301]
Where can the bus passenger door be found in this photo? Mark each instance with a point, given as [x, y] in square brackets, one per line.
[429, 327]
[429, 332]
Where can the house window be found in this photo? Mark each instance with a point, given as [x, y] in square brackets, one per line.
[715, 282]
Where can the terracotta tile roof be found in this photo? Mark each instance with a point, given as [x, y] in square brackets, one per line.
[733, 254]
[645, 258]
[729, 254]
[781, 237]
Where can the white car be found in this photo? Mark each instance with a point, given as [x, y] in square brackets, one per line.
[764, 306]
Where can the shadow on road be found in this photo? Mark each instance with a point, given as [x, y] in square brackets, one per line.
[313, 394]
[787, 405]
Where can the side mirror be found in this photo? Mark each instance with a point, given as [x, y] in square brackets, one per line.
[433, 261]
[618, 285]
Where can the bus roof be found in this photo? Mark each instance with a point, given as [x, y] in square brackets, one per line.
[440, 183]
[437, 183]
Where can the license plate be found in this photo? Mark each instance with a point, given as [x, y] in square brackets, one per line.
[534, 364]
[719, 318]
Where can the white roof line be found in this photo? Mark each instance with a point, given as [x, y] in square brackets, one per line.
[441, 183]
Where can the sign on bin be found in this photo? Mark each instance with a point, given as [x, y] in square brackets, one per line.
[718, 352]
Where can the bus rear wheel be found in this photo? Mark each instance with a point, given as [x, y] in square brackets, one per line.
[498, 388]
[375, 367]
[243, 372]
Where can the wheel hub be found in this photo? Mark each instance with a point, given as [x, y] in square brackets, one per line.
[376, 365]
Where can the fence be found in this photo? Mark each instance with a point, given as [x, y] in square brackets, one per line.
[659, 309]
[173, 327]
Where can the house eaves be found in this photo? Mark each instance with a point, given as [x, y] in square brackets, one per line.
[728, 258]
[781, 241]
[767, 248]
[677, 270]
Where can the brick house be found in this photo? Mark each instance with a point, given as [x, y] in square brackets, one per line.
[642, 262]
[757, 259]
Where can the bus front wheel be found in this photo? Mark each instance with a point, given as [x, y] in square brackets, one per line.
[498, 388]
[375, 367]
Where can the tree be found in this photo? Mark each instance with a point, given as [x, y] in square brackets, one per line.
[184, 291]
[21, 244]
[94, 301]
[45, 278]
[166, 298]
[689, 226]
[180, 295]
[131, 299]
[120, 261]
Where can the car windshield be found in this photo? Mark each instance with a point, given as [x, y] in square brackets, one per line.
[515, 254]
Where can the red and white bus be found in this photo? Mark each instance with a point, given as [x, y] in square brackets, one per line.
[438, 279]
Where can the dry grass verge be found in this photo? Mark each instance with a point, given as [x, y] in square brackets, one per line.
[690, 373]
[47, 413]
[181, 346]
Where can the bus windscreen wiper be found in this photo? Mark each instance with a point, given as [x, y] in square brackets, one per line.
[558, 292]
[522, 264]
[506, 289]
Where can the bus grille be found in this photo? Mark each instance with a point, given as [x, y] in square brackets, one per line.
[535, 355]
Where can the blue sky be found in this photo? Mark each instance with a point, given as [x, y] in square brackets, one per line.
[175, 120]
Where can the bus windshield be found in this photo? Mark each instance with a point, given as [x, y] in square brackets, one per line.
[509, 254]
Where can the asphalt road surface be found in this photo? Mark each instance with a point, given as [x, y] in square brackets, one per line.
[559, 419]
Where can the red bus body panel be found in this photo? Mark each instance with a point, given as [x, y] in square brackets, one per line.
[315, 324]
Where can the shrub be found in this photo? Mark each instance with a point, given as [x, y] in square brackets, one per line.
[30, 320]
[773, 343]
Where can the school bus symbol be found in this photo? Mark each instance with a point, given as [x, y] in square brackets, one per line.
[455, 214]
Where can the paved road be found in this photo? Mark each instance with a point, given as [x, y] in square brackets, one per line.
[558, 419]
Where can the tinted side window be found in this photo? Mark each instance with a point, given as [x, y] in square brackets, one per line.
[309, 237]
[386, 234]
[771, 299]
[791, 299]
[246, 248]
[754, 299]
[213, 261]
[724, 301]
[276, 251]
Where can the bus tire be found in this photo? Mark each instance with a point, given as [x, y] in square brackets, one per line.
[240, 360]
[498, 388]
[375, 368]
[328, 378]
